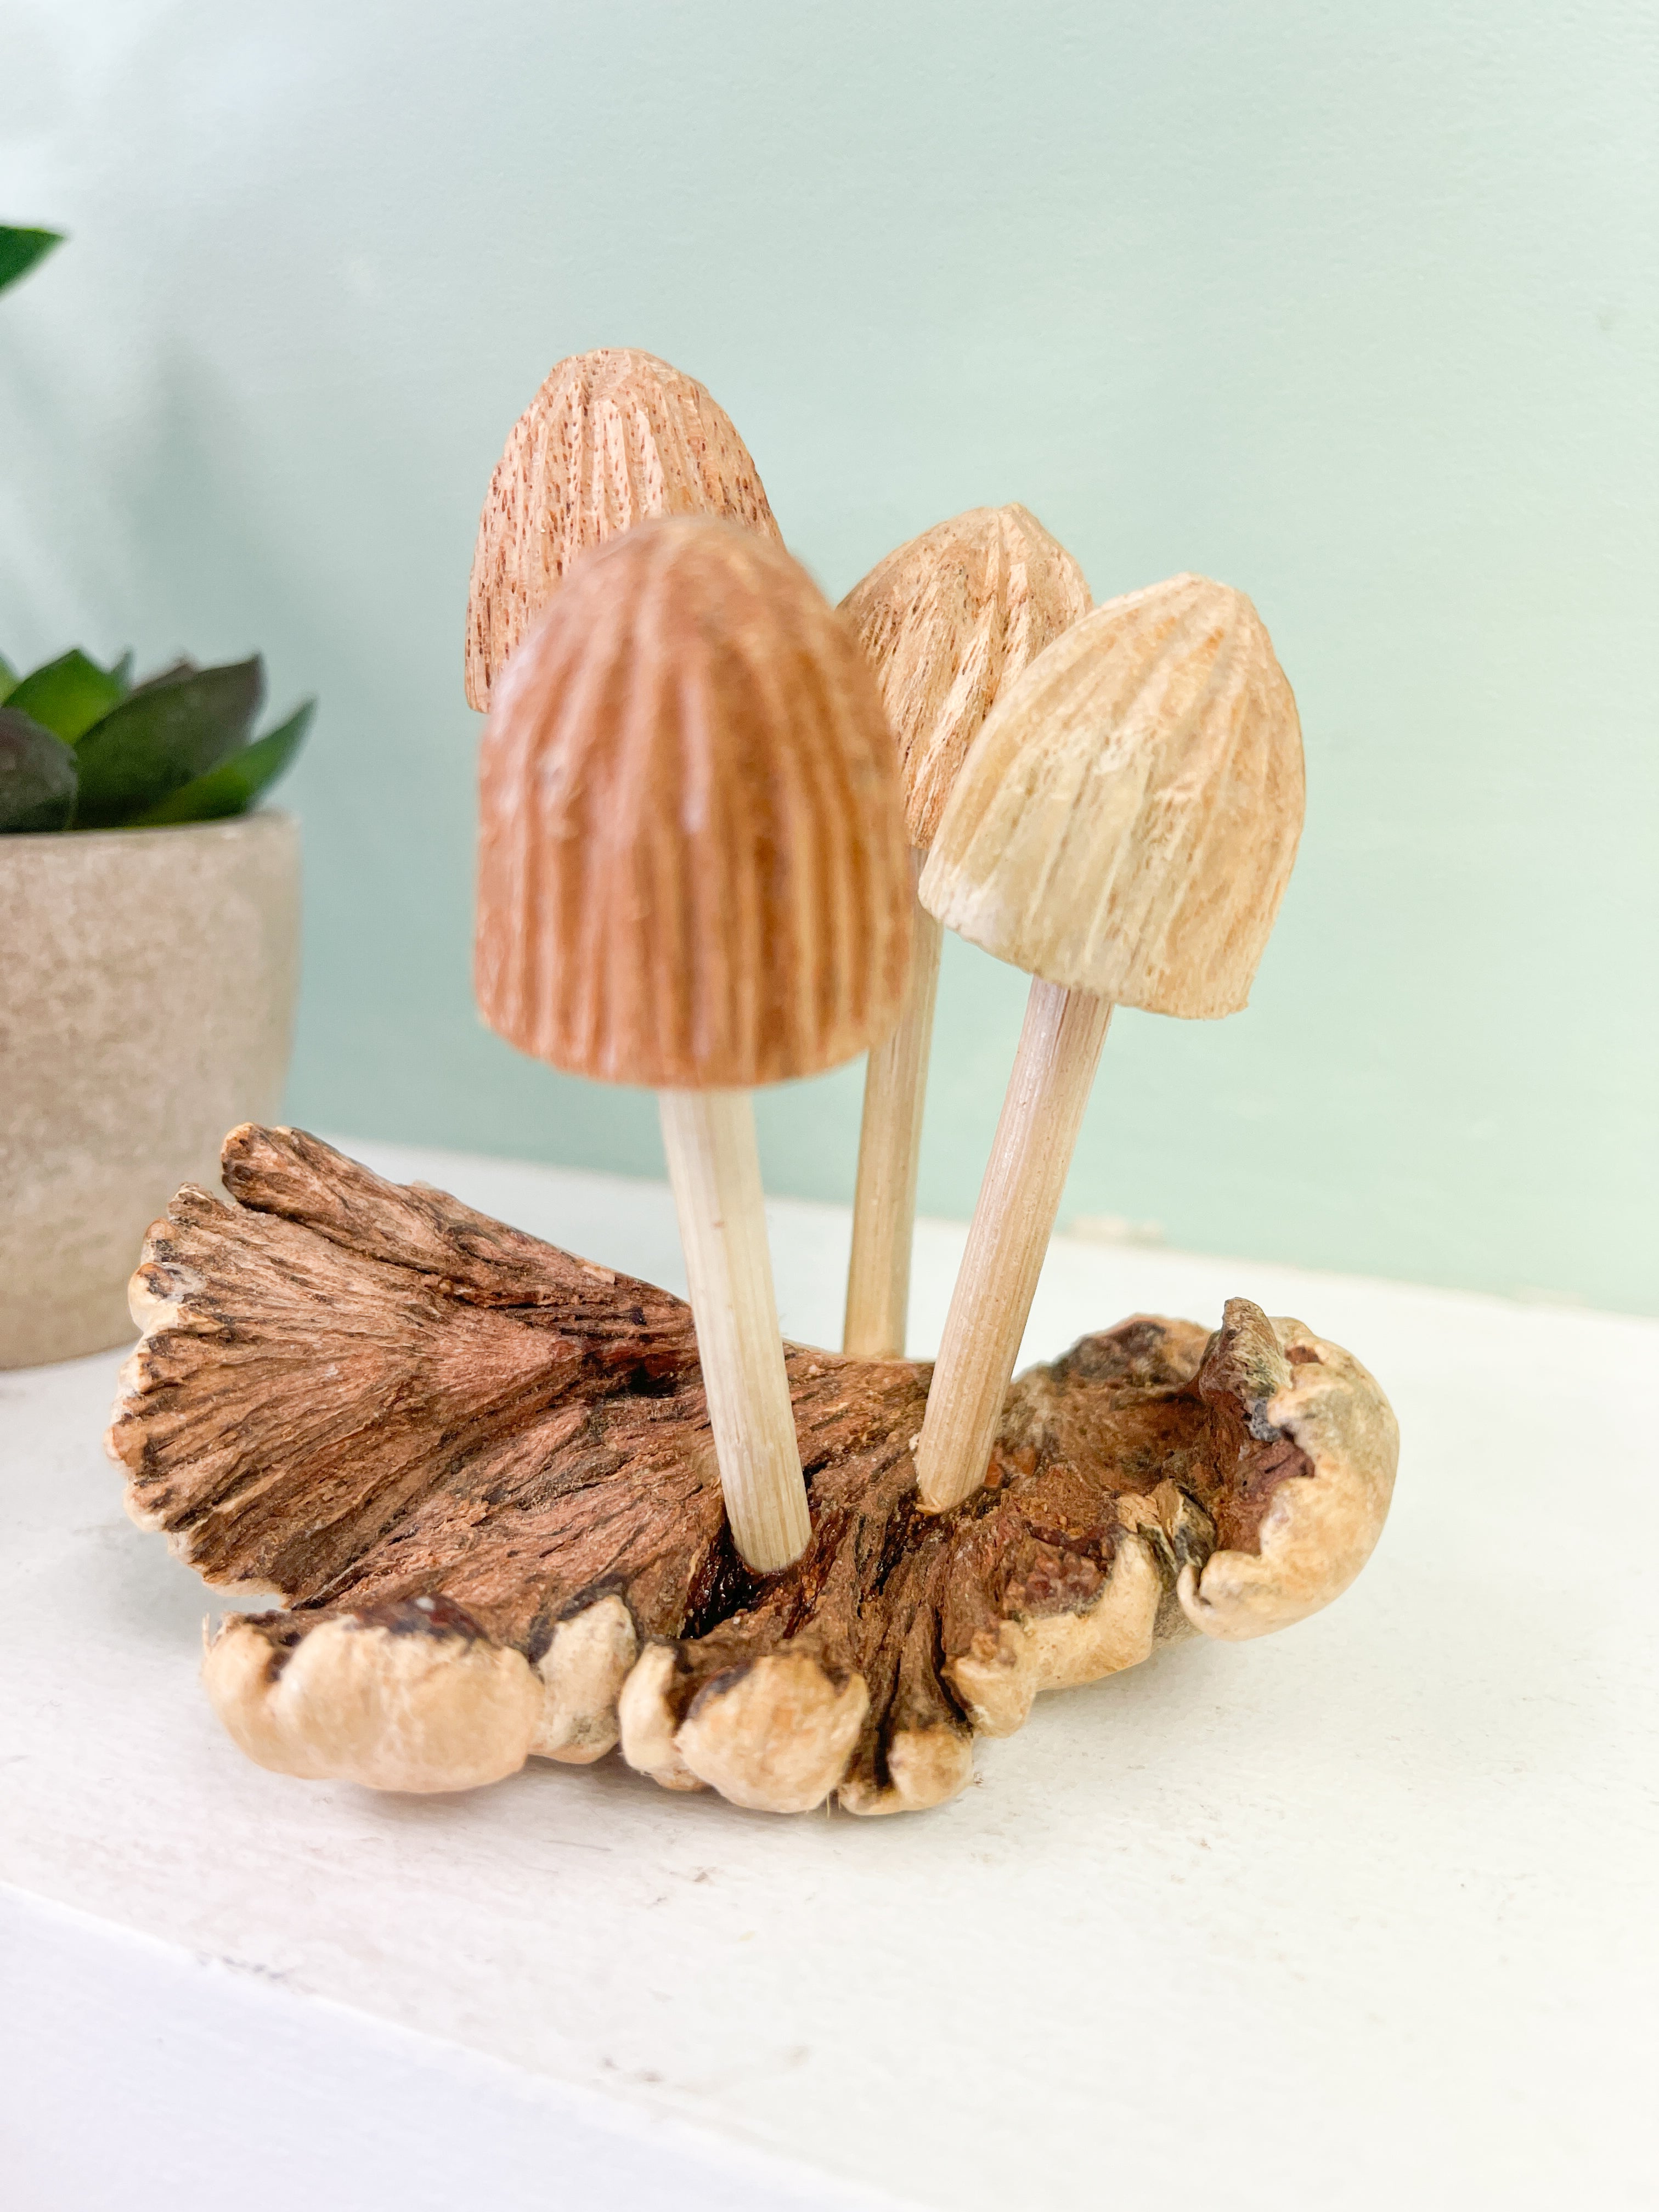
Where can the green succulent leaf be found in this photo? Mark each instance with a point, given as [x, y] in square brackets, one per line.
[233, 787]
[165, 733]
[21, 249]
[68, 695]
[8, 678]
[183, 666]
[38, 776]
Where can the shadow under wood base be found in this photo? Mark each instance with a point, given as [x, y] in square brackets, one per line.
[477, 1472]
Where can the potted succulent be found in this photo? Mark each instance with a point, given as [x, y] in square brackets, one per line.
[150, 922]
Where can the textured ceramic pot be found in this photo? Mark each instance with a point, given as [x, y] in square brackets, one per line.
[147, 979]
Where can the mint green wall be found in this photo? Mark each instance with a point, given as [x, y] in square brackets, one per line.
[1355, 308]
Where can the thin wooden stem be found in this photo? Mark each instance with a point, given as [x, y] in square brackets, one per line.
[1054, 1069]
[890, 1148]
[715, 1167]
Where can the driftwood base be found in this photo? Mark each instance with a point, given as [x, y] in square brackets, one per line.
[477, 1473]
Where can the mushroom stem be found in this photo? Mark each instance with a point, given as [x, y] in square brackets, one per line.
[890, 1148]
[714, 1166]
[1042, 1113]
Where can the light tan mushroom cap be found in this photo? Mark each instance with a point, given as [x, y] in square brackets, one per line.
[692, 868]
[949, 622]
[611, 439]
[1125, 822]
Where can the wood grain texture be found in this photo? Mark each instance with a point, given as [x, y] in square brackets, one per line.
[890, 1154]
[949, 622]
[478, 1472]
[1126, 820]
[1054, 1072]
[611, 439]
[714, 1165]
[692, 867]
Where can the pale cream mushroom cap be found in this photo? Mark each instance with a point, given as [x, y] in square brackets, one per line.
[1126, 821]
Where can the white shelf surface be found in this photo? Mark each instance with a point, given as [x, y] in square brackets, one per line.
[1357, 1916]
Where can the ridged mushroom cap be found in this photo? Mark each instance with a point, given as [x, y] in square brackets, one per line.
[611, 439]
[1126, 821]
[949, 621]
[692, 871]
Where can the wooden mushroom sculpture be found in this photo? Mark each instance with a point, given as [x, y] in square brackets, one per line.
[693, 876]
[1123, 828]
[611, 439]
[949, 621]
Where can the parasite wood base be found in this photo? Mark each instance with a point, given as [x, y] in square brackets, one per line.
[478, 1473]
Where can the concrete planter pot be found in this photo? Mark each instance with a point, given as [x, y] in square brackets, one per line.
[147, 979]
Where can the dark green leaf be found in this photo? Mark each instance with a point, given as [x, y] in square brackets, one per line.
[122, 672]
[37, 776]
[68, 695]
[8, 677]
[233, 787]
[21, 249]
[162, 736]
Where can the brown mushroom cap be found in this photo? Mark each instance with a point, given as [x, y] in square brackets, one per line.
[1126, 821]
[949, 621]
[611, 439]
[692, 868]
